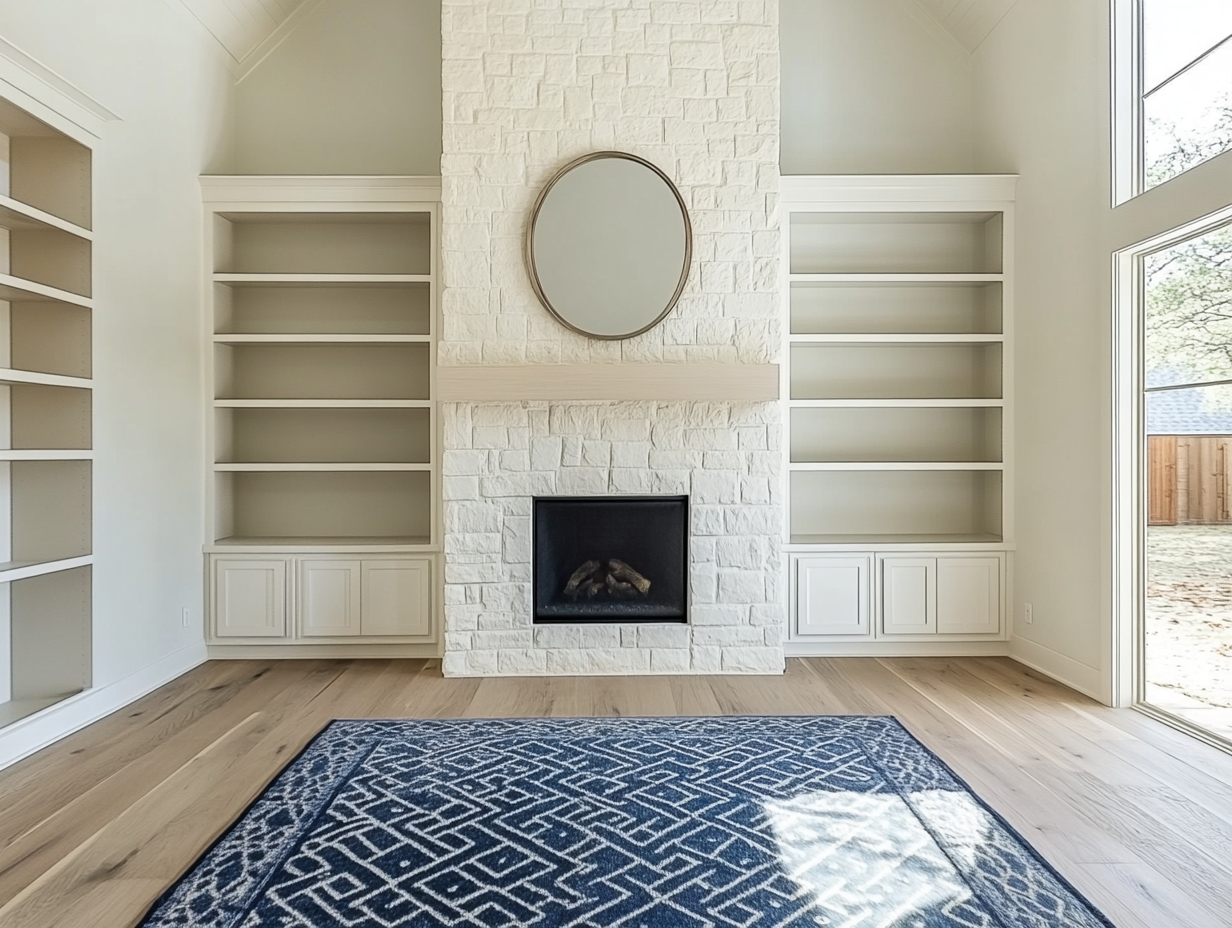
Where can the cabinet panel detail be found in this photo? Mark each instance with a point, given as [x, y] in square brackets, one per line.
[968, 595]
[250, 598]
[397, 597]
[329, 601]
[908, 600]
[832, 596]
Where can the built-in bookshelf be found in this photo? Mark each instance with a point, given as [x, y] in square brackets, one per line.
[898, 388]
[321, 329]
[897, 364]
[46, 403]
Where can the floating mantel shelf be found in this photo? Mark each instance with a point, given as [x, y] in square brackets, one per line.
[635, 381]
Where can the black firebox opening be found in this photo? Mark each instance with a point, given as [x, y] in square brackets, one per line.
[611, 559]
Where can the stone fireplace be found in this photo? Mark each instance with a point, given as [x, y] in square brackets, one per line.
[693, 88]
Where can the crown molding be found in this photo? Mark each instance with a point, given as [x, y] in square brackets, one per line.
[46, 95]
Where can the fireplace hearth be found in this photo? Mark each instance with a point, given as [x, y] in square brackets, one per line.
[611, 559]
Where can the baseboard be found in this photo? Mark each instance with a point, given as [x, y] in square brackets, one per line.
[23, 738]
[1074, 674]
[284, 652]
[896, 648]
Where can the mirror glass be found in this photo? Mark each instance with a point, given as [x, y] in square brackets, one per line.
[609, 245]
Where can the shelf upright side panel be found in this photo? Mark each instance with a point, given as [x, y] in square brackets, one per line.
[51, 338]
[6, 642]
[51, 509]
[51, 634]
[52, 173]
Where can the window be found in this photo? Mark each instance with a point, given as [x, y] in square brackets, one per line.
[1175, 88]
[1185, 656]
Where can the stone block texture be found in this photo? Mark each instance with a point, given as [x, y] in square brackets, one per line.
[736, 568]
[692, 86]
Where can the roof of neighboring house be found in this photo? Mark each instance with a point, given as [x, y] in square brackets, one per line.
[1185, 412]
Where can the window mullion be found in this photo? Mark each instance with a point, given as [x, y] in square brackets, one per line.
[1206, 54]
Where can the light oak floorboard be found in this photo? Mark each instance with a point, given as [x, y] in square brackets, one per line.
[1136, 815]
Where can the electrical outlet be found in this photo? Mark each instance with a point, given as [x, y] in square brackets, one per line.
[184, 617]
[1026, 614]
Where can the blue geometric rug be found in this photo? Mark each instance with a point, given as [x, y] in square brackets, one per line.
[843, 822]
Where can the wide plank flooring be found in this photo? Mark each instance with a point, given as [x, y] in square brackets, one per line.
[1136, 815]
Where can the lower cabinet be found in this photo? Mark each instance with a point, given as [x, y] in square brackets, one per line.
[942, 595]
[315, 598]
[250, 598]
[832, 595]
[865, 596]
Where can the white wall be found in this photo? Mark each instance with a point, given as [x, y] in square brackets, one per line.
[868, 88]
[1043, 110]
[140, 59]
[355, 89]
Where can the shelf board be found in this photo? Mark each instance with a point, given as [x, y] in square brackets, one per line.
[18, 290]
[8, 375]
[46, 454]
[16, 215]
[319, 544]
[909, 540]
[895, 278]
[322, 404]
[320, 339]
[960, 403]
[321, 280]
[895, 465]
[23, 570]
[966, 338]
[17, 709]
[327, 467]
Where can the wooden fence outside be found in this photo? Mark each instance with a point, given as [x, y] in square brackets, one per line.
[1187, 479]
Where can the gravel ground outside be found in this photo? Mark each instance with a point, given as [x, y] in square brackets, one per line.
[1189, 616]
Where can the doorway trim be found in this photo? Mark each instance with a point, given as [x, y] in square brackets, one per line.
[1125, 683]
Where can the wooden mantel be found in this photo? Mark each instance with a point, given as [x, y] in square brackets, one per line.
[489, 383]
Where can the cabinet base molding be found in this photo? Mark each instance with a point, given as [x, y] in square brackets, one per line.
[885, 648]
[282, 652]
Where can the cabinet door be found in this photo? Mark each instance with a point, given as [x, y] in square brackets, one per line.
[250, 599]
[396, 598]
[968, 595]
[908, 595]
[329, 598]
[832, 596]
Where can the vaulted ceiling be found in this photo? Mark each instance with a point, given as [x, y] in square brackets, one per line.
[968, 21]
[247, 29]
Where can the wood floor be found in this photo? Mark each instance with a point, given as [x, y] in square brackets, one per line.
[1138, 816]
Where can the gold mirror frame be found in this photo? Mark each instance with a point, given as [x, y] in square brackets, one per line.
[529, 243]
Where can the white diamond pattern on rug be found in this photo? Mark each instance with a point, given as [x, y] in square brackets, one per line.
[675, 823]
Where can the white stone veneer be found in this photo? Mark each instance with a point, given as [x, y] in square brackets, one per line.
[500, 456]
[693, 87]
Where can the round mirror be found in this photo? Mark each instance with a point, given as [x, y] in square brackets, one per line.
[609, 245]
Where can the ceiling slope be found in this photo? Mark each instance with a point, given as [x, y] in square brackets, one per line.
[249, 29]
[968, 21]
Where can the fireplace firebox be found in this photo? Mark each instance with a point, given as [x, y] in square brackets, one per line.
[602, 559]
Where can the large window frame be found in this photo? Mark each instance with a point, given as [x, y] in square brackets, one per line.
[1129, 96]
[1129, 499]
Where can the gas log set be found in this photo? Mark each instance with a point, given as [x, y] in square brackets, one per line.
[613, 579]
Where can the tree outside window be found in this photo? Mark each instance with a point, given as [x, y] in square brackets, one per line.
[1185, 59]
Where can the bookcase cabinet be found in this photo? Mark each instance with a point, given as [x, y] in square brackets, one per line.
[321, 327]
[899, 395]
[46, 403]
